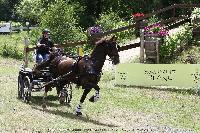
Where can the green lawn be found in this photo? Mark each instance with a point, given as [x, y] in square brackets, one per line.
[119, 109]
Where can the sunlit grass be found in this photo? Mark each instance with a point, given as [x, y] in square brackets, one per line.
[119, 107]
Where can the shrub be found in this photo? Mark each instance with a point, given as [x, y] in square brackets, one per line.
[174, 42]
[110, 21]
[62, 21]
[30, 10]
[195, 17]
[11, 46]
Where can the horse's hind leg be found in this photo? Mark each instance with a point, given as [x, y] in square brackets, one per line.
[79, 106]
[96, 96]
[61, 94]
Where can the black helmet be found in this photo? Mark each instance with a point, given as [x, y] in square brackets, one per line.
[46, 31]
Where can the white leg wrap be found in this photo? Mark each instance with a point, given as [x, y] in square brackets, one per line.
[79, 107]
[96, 96]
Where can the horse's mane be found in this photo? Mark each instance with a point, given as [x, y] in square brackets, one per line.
[105, 40]
[101, 41]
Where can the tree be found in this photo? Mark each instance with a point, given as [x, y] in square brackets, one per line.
[30, 10]
[61, 19]
[7, 9]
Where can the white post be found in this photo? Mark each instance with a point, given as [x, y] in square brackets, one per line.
[10, 26]
[26, 41]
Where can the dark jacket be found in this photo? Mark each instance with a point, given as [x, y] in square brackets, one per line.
[44, 49]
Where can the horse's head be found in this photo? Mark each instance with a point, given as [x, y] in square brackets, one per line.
[112, 49]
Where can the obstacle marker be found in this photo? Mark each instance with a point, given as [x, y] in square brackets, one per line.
[147, 75]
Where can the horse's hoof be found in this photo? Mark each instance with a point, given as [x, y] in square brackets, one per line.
[44, 106]
[68, 105]
[79, 114]
[94, 99]
[91, 99]
[62, 101]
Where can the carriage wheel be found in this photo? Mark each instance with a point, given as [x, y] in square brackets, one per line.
[20, 86]
[26, 89]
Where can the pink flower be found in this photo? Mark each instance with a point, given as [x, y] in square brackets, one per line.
[156, 28]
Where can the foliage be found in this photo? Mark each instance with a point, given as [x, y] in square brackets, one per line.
[174, 42]
[7, 11]
[88, 11]
[30, 10]
[16, 24]
[11, 46]
[34, 35]
[67, 19]
[156, 28]
[61, 19]
[113, 21]
[153, 20]
[195, 17]
[189, 55]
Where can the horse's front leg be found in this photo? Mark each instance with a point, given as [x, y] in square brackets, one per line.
[84, 95]
[96, 96]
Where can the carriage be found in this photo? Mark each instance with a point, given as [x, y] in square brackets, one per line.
[84, 71]
[29, 82]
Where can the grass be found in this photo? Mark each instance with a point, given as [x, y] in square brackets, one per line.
[119, 109]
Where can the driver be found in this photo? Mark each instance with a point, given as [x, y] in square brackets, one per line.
[44, 46]
[43, 49]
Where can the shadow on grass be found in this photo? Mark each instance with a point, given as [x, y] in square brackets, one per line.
[38, 101]
[49, 98]
[181, 91]
[176, 90]
[73, 116]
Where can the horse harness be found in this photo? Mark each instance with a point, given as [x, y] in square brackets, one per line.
[89, 70]
[75, 69]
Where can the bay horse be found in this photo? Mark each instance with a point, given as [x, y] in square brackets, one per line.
[86, 71]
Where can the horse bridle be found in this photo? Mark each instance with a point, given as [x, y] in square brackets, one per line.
[111, 57]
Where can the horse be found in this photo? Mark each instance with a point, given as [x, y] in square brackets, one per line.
[86, 71]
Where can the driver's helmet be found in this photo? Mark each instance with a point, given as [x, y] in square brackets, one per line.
[46, 31]
[94, 29]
